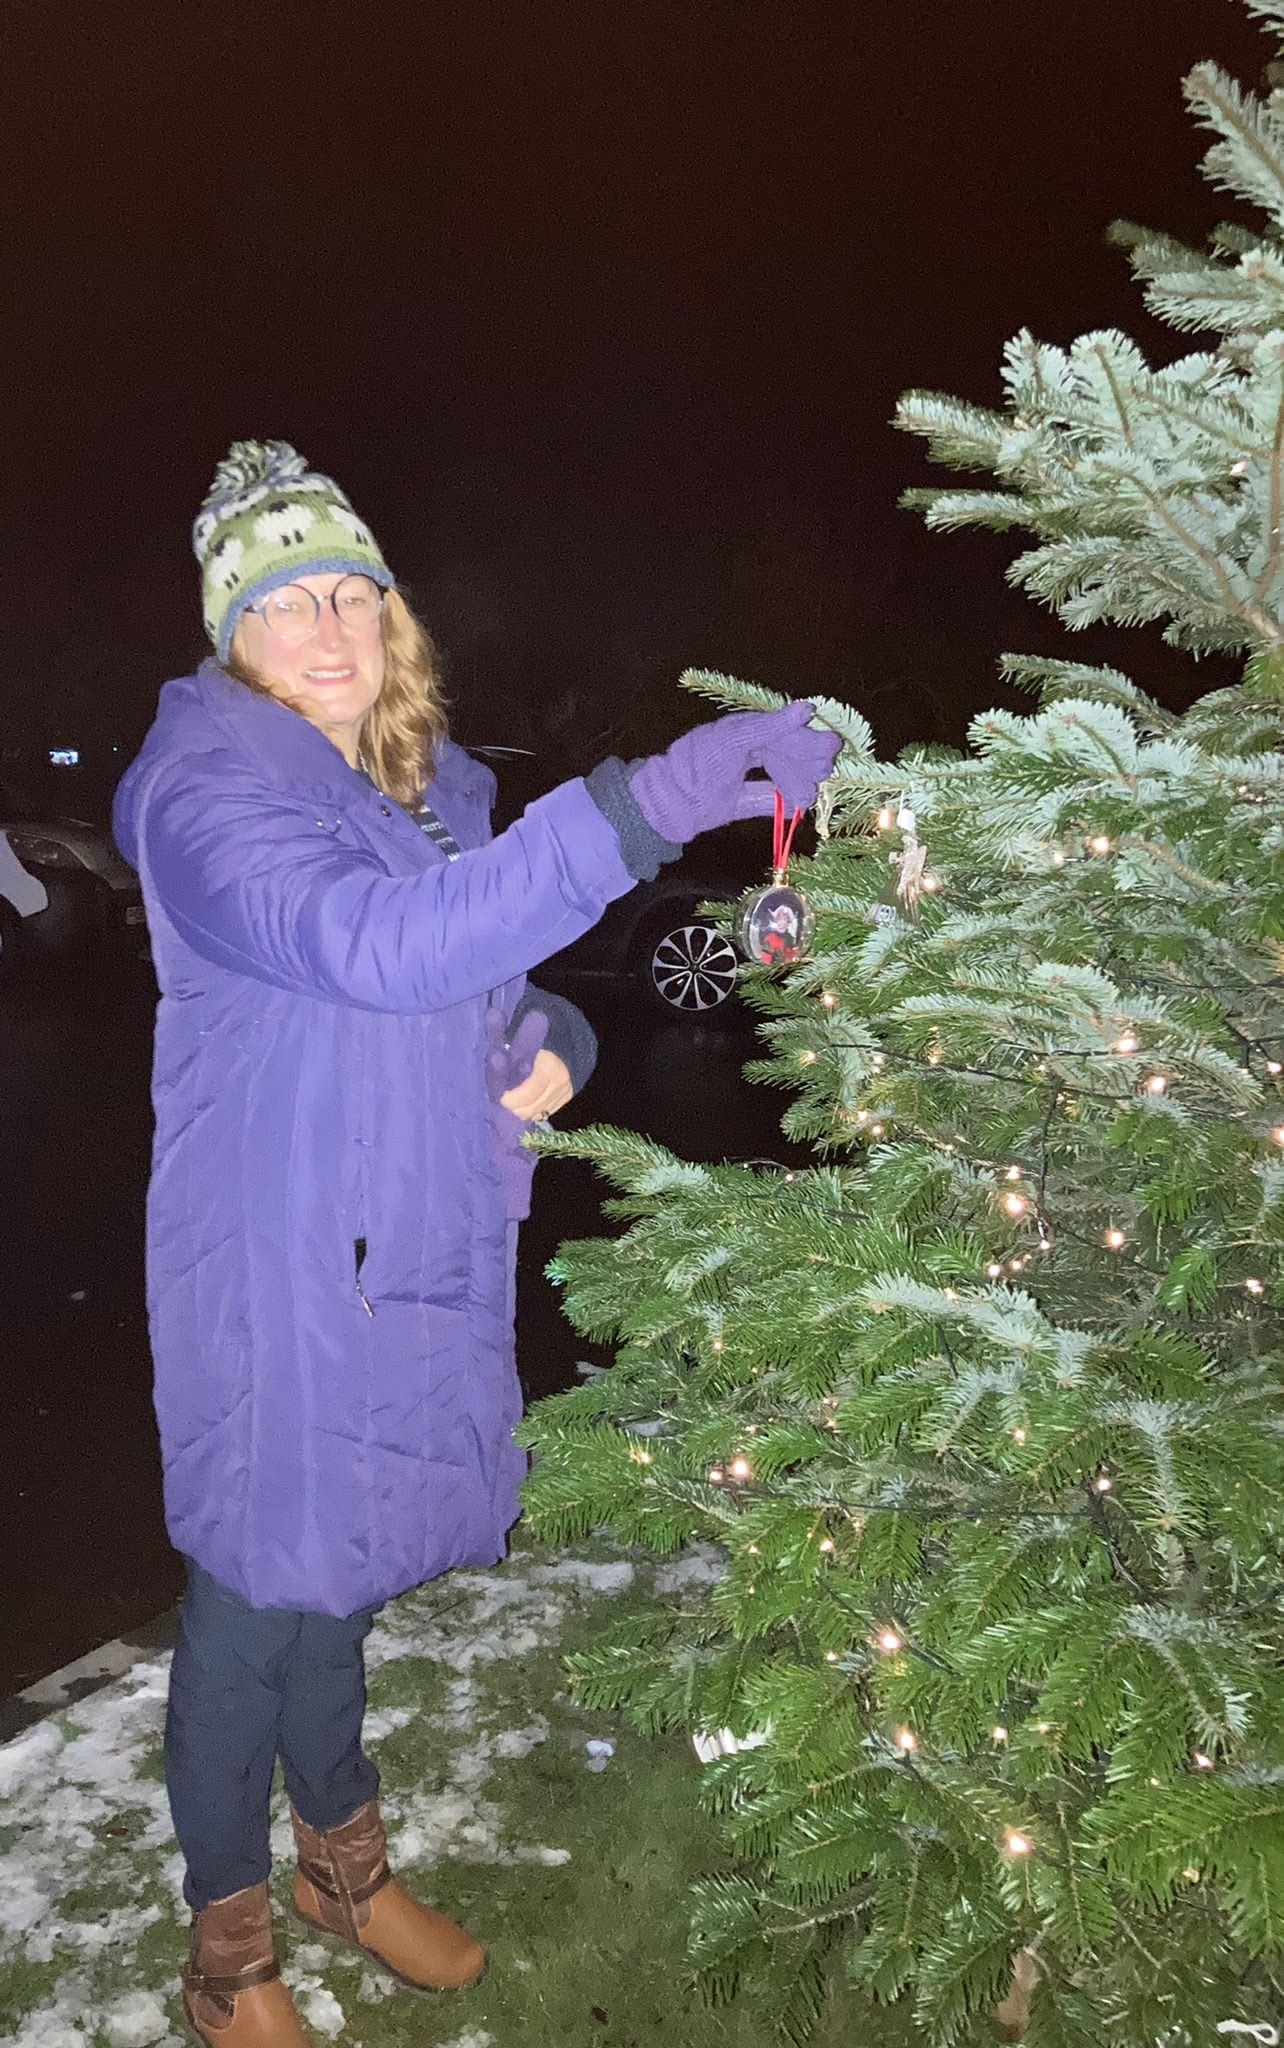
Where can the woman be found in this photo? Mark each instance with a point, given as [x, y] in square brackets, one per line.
[346, 1057]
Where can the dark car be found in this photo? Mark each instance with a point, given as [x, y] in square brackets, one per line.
[95, 899]
[681, 962]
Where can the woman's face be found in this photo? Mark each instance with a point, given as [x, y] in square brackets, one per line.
[333, 677]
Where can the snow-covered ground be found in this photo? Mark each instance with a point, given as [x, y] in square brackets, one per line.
[92, 1921]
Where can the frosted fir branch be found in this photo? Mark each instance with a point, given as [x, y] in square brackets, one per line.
[1271, 12]
[1249, 158]
[730, 692]
[1053, 680]
[962, 435]
[952, 511]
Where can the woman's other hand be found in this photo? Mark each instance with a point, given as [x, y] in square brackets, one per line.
[546, 1089]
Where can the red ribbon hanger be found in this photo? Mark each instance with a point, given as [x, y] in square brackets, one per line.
[782, 840]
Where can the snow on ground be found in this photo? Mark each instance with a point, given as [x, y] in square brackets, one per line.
[92, 1923]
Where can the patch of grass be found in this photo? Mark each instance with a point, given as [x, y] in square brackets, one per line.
[417, 1682]
[586, 1952]
[26, 1986]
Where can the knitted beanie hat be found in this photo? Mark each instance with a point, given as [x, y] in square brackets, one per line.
[267, 518]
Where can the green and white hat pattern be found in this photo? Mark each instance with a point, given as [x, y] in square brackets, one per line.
[266, 519]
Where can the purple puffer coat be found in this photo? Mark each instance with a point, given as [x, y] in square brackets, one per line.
[330, 1262]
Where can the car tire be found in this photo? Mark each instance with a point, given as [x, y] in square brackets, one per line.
[11, 940]
[688, 966]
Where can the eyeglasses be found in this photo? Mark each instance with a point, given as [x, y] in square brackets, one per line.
[294, 614]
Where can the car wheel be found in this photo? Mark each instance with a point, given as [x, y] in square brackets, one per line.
[11, 939]
[689, 967]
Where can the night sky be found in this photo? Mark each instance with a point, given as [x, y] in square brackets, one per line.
[599, 313]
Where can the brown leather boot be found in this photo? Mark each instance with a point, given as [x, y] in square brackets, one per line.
[232, 1989]
[343, 1885]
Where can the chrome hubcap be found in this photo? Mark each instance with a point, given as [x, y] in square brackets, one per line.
[693, 967]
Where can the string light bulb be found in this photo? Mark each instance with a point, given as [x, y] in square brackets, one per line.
[1016, 1843]
[640, 1457]
[1012, 1173]
[1016, 1205]
[1103, 1483]
[994, 1270]
[807, 1058]
[1099, 843]
[931, 883]
[1275, 1067]
[715, 1475]
[886, 818]
[1126, 1042]
[1254, 1287]
[1115, 1239]
[1156, 1084]
[1057, 857]
[826, 1543]
[831, 1656]
[906, 1740]
[829, 999]
[1202, 1762]
[998, 1733]
[741, 1468]
[889, 1642]
[1018, 1435]
[1278, 1134]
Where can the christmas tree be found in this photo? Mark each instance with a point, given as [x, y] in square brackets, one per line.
[981, 1407]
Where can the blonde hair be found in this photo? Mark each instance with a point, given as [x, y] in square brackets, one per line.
[407, 721]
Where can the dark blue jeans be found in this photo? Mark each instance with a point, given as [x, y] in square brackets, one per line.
[249, 1684]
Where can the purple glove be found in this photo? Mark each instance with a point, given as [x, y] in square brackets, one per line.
[506, 1065]
[702, 781]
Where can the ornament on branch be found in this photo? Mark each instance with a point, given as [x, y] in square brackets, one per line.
[775, 925]
[711, 1743]
[900, 899]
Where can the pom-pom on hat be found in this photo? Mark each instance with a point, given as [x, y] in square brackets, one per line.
[266, 519]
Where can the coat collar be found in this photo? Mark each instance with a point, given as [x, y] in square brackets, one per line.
[211, 709]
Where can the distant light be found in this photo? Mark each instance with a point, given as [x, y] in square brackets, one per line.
[64, 757]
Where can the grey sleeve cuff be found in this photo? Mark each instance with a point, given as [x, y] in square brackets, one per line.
[642, 849]
[570, 1035]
